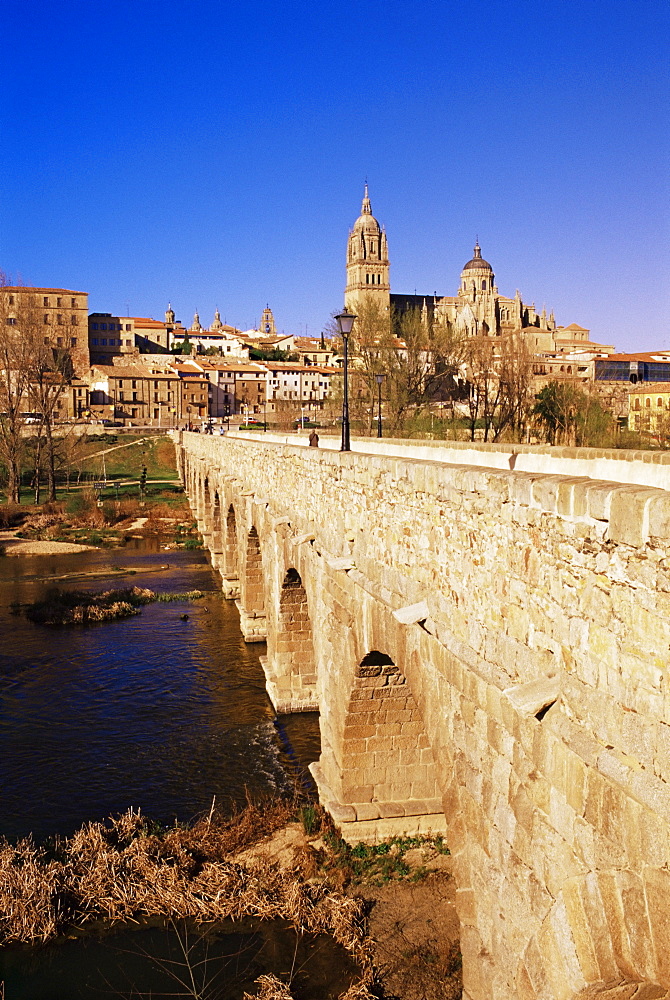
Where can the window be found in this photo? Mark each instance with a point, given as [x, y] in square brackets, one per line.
[94, 326]
[45, 300]
[59, 319]
[121, 396]
[46, 319]
[73, 321]
[155, 397]
[103, 326]
[79, 392]
[133, 412]
[155, 414]
[134, 384]
[11, 321]
[659, 401]
[134, 397]
[59, 341]
[484, 285]
[95, 341]
[647, 402]
[57, 302]
[11, 300]
[155, 385]
[73, 341]
[104, 342]
[73, 303]
[46, 340]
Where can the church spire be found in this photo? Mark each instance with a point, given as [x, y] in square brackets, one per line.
[366, 207]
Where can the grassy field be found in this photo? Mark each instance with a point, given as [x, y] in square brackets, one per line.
[93, 457]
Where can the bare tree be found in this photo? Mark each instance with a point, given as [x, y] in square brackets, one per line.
[14, 377]
[419, 359]
[516, 400]
[484, 382]
[33, 376]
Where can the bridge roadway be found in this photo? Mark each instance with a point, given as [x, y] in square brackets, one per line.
[488, 648]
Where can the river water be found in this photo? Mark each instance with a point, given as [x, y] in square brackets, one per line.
[154, 711]
[162, 711]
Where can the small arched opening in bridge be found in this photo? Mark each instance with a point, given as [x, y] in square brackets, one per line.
[386, 756]
[291, 659]
[230, 570]
[217, 540]
[253, 594]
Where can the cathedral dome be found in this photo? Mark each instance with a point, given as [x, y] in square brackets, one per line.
[478, 261]
[366, 222]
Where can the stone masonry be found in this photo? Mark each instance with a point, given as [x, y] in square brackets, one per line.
[488, 650]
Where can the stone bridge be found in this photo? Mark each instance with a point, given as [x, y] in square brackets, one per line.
[486, 635]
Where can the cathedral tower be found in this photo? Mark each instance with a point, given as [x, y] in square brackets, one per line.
[367, 261]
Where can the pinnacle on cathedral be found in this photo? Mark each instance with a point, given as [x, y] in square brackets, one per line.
[367, 260]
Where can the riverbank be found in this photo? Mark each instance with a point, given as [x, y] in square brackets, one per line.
[15, 546]
[390, 907]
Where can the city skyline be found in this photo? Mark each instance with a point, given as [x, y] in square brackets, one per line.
[215, 156]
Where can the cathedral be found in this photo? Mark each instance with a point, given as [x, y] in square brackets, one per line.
[477, 309]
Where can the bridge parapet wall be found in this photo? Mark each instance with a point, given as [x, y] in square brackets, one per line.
[529, 618]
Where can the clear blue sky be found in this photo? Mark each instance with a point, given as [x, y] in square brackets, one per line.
[214, 153]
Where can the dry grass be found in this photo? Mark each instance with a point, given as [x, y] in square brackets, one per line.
[122, 871]
[75, 607]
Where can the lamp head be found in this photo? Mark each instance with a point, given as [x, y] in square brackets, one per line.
[345, 321]
[380, 377]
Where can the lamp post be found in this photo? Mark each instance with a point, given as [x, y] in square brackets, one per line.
[345, 321]
[380, 378]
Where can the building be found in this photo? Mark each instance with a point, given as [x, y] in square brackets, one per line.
[135, 395]
[56, 318]
[314, 351]
[649, 408]
[477, 309]
[297, 384]
[367, 262]
[233, 385]
[111, 336]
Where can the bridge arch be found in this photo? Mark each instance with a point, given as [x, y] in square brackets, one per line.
[290, 666]
[251, 604]
[378, 764]
[229, 546]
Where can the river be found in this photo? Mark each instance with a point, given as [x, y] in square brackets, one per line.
[162, 711]
[154, 711]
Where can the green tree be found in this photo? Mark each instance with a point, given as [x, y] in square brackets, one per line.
[557, 411]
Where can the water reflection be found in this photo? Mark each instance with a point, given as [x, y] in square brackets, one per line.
[152, 711]
[224, 959]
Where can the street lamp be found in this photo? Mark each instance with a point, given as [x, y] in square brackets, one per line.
[345, 321]
[380, 378]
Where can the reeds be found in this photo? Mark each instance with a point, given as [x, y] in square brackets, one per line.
[123, 871]
[80, 607]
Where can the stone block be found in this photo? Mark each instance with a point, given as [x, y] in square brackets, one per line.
[366, 810]
[657, 893]
[659, 516]
[628, 523]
